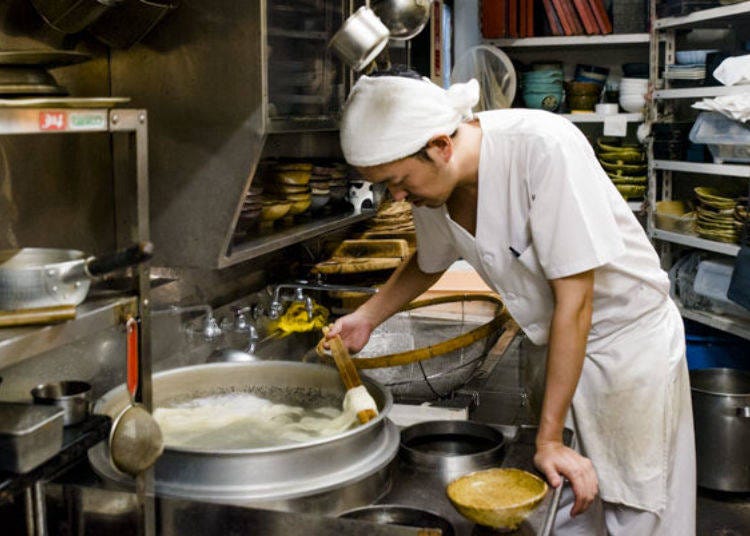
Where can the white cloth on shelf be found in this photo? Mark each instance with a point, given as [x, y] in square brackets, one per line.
[387, 118]
[735, 107]
[734, 70]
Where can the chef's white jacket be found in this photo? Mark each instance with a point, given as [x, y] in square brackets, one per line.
[547, 210]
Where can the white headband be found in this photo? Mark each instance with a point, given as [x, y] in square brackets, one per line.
[387, 118]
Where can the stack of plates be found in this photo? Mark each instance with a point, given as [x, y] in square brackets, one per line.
[24, 73]
[625, 165]
[393, 216]
[716, 215]
[251, 209]
[695, 71]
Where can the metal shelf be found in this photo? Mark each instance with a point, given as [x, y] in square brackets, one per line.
[725, 170]
[92, 316]
[732, 325]
[599, 118]
[572, 41]
[280, 238]
[697, 242]
[299, 34]
[717, 16]
[697, 92]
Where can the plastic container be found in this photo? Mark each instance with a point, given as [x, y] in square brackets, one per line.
[710, 348]
[712, 282]
[728, 140]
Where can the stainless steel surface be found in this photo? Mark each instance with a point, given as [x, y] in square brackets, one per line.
[360, 39]
[394, 514]
[32, 89]
[25, 76]
[274, 476]
[449, 449]
[74, 397]
[29, 435]
[93, 316]
[403, 18]
[65, 102]
[95, 511]
[721, 404]
[72, 16]
[43, 58]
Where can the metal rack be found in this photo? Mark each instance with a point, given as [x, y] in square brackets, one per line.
[664, 173]
[74, 116]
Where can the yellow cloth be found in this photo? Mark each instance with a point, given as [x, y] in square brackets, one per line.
[295, 318]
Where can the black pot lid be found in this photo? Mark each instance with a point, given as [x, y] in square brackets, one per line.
[45, 58]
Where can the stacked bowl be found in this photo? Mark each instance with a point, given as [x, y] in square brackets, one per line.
[633, 94]
[582, 96]
[625, 164]
[543, 86]
[286, 191]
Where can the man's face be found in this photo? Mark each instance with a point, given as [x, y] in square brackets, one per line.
[418, 181]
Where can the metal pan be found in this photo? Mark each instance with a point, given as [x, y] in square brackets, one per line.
[33, 278]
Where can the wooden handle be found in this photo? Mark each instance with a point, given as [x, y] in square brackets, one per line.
[43, 315]
[347, 371]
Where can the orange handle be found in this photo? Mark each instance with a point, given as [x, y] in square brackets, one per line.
[131, 330]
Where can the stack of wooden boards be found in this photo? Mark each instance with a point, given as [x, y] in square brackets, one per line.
[525, 18]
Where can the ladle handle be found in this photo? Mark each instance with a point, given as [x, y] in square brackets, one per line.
[131, 331]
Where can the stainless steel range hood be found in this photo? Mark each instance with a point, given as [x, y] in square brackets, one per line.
[202, 77]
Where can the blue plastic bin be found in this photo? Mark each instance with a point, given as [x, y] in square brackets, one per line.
[711, 348]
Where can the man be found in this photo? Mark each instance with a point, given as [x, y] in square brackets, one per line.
[520, 195]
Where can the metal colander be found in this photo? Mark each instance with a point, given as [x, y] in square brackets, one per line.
[433, 346]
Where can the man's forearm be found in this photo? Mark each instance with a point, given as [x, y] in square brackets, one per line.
[406, 283]
[571, 322]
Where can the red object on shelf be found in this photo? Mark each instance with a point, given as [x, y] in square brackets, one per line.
[494, 18]
[552, 17]
[602, 19]
[587, 16]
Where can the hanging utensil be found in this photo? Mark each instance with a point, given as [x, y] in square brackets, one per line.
[360, 39]
[135, 440]
[361, 400]
[34, 278]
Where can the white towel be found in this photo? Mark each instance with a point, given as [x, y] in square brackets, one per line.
[387, 118]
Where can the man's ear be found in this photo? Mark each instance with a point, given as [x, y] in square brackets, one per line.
[441, 147]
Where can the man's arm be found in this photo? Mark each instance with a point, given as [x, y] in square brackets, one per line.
[406, 283]
[571, 322]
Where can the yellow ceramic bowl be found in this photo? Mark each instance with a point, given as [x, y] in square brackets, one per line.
[293, 178]
[273, 210]
[298, 207]
[497, 498]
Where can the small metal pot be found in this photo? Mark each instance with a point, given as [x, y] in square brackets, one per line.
[73, 397]
[721, 410]
[403, 18]
[451, 448]
[360, 39]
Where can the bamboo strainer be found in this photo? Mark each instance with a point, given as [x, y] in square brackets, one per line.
[433, 346]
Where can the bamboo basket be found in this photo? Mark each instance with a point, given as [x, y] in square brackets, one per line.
[432, 347]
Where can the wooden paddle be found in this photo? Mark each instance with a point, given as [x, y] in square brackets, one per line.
[348, 372]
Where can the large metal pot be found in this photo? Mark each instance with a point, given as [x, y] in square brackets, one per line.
[721, 410]
[326, 475]
[32, 278]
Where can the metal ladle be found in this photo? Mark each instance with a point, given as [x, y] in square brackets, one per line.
[135, 440]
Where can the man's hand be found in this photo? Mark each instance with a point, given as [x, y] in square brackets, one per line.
[354, 330]
[556, 460]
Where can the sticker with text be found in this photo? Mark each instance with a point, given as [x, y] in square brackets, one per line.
[53, 121]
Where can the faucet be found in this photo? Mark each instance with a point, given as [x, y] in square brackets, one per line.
[210, 328]
[277, 301]
[241, 322]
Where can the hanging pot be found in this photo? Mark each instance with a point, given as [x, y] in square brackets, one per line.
[360, 39]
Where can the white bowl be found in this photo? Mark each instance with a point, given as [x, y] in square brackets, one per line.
[686, 57]
[632, 103]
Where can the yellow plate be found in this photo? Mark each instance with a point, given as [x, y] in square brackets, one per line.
[497, 498]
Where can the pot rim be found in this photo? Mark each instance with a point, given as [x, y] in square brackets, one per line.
[358, 429]
[719, 370]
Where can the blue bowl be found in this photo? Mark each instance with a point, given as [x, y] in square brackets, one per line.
[542, 87]
[542, 100]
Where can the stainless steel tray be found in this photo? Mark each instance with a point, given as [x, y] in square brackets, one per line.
[29, 435]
